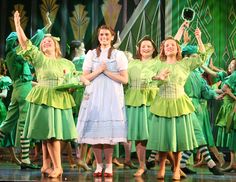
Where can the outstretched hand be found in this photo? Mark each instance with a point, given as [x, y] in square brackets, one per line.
[198, 33]
[187, 37]
[17, 19]
[184, 25]
[181, 29]
[49, 23]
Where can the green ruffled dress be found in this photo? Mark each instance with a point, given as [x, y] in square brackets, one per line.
[9, 140]
[78, 93]
[231, 119]
[223, 137]
[172, 125]
[139, 94]
[198, 90]
[50, 111]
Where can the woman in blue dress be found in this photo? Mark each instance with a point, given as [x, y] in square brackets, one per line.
[101, 120]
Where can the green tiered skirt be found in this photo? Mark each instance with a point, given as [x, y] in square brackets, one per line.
[44, 122]
[172, 134]
[138, 122]
[232, 140]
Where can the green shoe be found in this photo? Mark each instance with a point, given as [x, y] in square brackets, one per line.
[29, 166]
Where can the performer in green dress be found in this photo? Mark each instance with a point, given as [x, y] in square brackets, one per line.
[49, 117]
[21, 75]
[8, 141]
[77, 56]
[139, 94]
[172, 126]
[230, 117]
[197, 89]
[223, 136]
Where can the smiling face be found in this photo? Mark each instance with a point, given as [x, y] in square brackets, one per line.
[105, 37]
[146, 49]
[47, 45]
[170, 48]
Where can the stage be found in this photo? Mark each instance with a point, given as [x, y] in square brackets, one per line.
[12, 172]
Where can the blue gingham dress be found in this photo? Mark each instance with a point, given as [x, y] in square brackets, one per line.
[102, 118]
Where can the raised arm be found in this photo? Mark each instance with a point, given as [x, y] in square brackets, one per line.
[209, 71]
[201, 46]
[180, 31]
[49, 23]
[213, 67]
[20, 32]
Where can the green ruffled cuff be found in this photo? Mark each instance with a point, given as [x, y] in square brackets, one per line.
[6, 82]
[209, 51]
[23, 52]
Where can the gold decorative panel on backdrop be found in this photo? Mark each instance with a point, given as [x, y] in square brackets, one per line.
[23, 18]
[79, 22]
[111, 10]
[51, 7]
[232, 34]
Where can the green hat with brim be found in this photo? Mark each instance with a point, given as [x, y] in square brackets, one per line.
[189, 49]
[11, 41]
[38, 37]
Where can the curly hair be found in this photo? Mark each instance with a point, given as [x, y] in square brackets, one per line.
[162, 50]
[98, 49]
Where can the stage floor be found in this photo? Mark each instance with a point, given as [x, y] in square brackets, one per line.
[12, 172]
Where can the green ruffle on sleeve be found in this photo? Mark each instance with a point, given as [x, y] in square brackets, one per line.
[200, 59]
[221, 76]
[206, 91]
[31, 53]
[5, 82]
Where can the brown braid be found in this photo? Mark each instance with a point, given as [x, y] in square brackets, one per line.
[98, 51]
[109, 52]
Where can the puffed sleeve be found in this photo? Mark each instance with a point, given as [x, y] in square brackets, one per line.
[31, 53]
[206, 91]
[199, 59]
[220, 76]
[87, 65]
[122, 61]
